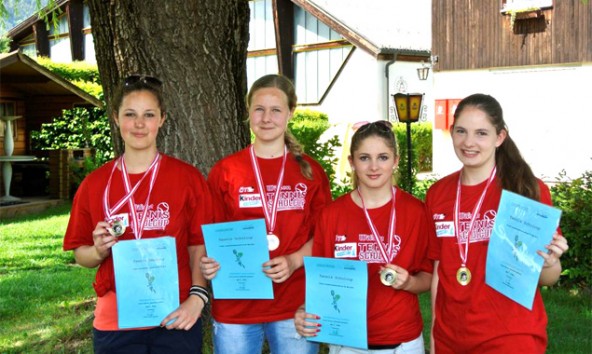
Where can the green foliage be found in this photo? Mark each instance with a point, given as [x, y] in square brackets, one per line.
[5, 44]
[421, 149]
[574, 198]
[308, 126]
[77, 128]
[73, 72]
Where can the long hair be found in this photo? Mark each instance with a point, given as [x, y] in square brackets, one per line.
[285, 85]
[381, 129]
[513, 171]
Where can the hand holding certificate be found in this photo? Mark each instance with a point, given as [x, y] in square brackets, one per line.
[147, 281]
[522, 227]
[336, 291]
[240, 247]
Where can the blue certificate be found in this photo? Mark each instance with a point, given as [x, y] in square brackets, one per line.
[336, 291]
[146, 281]
[522, 227]
[241, 249]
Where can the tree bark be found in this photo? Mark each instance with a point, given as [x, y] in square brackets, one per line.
[198, 49]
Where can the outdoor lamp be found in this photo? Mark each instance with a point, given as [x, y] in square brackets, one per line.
[423, 72]
[408, 107]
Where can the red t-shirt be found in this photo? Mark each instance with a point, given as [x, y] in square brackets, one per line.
[179, 204]
[343, 232]
[236, 197]
[467, 316]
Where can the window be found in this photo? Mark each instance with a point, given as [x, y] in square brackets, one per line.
[262, 58]
[89, 44]
[59, 41]
[319, 54]
[513, 5]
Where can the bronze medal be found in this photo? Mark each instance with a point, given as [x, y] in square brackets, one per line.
[117, 228]
[273, 242]
[388, 276]
[463, 276]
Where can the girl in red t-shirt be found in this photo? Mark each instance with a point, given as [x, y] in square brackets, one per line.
[272, 179]
[387, 228]
[141, 195]
[468, 315]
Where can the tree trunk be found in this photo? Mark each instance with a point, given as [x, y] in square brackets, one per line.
[198, 49]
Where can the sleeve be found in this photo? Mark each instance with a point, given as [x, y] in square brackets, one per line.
[200, 208]
[545, 197]
[80, 225]
[217, 189]
[322, 196]
[321, 246]
[428, 236]
[434, 244]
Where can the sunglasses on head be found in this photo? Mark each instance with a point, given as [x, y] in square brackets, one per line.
[149, 80]
[383, 125]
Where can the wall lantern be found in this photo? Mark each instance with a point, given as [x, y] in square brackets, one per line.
[423, 72]
[408, 107]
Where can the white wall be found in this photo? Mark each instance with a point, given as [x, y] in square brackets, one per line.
[546, 110]
[360, 94]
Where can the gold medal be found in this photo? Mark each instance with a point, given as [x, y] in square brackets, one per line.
[273, 242]
[388, 276]
[117, 228]
[463, 275]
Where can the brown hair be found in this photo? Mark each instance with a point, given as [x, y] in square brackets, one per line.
[513, 172]
[382, 129]
[285, 85]
[135, 83]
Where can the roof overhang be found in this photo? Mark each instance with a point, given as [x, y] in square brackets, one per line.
[25, 75]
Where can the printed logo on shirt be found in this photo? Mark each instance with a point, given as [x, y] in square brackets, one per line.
[157, 218]
[438, 217]
[340, 238]
[482, 227]
[288, 200]
[369, 251]
[346, 250]
[248, 189]
[249, 200]
[445, 229]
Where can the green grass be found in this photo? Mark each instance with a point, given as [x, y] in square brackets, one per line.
[47, 301]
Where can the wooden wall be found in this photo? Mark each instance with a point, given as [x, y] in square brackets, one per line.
[473, 34]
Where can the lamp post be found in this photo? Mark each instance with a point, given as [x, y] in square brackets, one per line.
[408, 107]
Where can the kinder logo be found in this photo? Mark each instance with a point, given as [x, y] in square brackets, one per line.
[445, 229]
[246, 190]
[249, 200]
[346, 250]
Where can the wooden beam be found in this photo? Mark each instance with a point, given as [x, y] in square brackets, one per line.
[283, 18]
[75, 14]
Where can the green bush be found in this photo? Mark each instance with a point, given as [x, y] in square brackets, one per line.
[308, 126]
[574, 198]
[76, 128]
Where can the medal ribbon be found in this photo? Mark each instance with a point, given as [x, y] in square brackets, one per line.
[465, 253]
[387, 254]
[128, 198]
[270, 215]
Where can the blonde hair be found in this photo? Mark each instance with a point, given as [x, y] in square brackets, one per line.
[285, 85]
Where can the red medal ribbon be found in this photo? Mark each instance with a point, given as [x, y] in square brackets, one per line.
[137, 227]
[465, 253]
[387, 254]
[270, 215]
